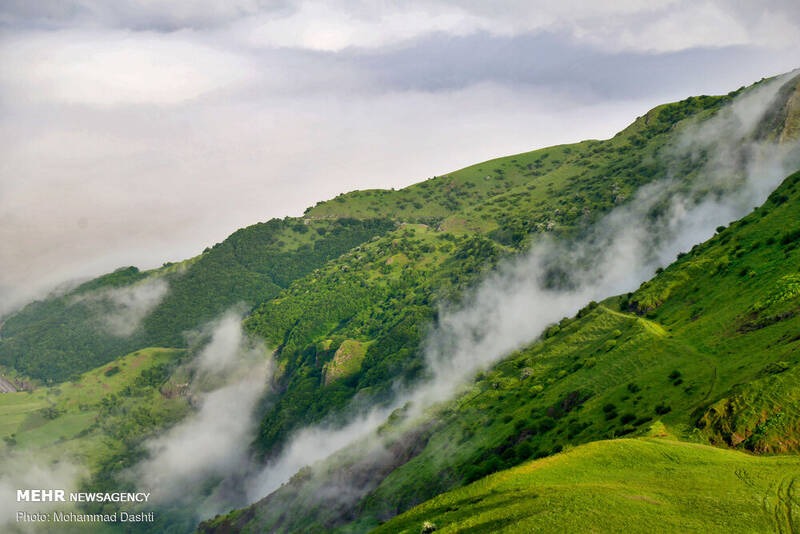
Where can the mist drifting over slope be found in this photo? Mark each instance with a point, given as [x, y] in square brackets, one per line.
[513, 305]
[121, 310]
[20, 470]
[228, 377]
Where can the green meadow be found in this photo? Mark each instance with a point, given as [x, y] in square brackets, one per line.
[89, 419]
[624, 485]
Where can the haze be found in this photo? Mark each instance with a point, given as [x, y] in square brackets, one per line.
[143, 132]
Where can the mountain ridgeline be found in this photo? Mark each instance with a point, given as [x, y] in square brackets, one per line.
[63, 336]
[348, 295]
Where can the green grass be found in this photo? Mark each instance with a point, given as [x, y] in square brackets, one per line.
[16, 408]
[348, 291]
[626, 485]
[699, 357]
[73, 418]
[346, 361]
[702, 359]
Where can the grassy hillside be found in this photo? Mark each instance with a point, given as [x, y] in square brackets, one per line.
[687, 348]
[346, 294]
[709, 347]
[624, 485]
[385, 292]
[96, 417]
[555, 187]
[62, 336]
[558, 189]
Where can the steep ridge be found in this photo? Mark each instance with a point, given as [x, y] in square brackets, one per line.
[673, 350]
[709, 347]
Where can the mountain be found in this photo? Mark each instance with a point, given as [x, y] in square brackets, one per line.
[708, 347]
[65, 335]
[350, 299]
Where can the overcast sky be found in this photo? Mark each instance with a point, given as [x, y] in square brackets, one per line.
[139, 132]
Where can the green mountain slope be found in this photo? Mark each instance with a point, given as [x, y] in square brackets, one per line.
[630, 485]
[346, 294]
[60, 337]
[469, 219]
[709, 347]
[702, 360]
[93, 420]
[393, 285]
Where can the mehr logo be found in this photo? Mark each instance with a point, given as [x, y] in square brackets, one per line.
[40, 495]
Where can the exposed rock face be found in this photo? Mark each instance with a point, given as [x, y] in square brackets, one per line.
[781, 122]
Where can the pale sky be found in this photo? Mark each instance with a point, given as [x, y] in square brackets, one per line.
[139, 132]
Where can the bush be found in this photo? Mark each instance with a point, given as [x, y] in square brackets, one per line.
[790, 237]
[627, 418]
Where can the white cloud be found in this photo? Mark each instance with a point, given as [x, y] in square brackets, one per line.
[328, 26]
[702, 25]
[332, 25]
[162, 15]
[122, 147]
[121, 310]
[229, 376]
[663, 26]
[105, 69]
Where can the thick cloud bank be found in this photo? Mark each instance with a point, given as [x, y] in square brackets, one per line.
[135, 133]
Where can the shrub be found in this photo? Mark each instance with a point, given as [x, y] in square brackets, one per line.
[790, 237]
[627, 418]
